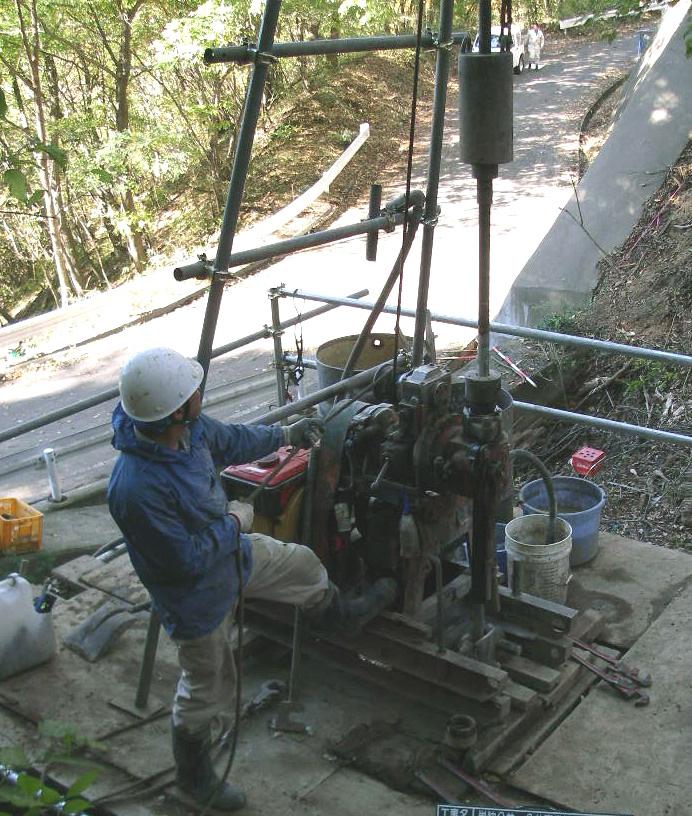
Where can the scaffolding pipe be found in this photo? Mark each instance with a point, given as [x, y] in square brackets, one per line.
[278, 348]
[569, 416]
[278, 248]
[435, 156]
[241, 162]
[112, 393]
[409, 237]
[654, 355]
[363, 378]
[249, 52]
[604, 424]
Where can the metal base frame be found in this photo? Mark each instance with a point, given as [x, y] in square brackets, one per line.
[399, 654]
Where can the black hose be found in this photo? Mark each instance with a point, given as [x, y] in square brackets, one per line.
[238, 682]
[548, 481]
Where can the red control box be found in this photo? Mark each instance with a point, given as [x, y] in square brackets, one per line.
[587, 461]
[241, 480]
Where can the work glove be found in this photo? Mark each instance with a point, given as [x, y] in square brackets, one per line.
[243, 513]
[305, 433]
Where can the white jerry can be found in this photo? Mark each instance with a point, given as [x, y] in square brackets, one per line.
[26, 636]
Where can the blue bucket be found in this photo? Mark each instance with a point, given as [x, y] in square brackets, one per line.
[579, 503]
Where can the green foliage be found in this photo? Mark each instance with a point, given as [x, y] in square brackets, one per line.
[32, 793]
[564, 321]
[647, 376]
[688, 39]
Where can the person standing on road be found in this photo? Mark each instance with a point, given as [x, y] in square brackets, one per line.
[535, 42]
[183, 540]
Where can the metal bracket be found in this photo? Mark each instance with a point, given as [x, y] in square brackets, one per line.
[390, 215]
[259, 57]
[445, 45]
[271, 332]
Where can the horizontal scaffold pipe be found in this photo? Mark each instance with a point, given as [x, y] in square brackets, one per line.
[202, 269]
[111, 393]
[564, 416]
[654, 355]
[360, 380]
[309, 48]
[604, 424]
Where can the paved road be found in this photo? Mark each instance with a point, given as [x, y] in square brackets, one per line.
[548, 104]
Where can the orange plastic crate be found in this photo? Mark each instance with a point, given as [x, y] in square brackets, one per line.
[21, 527]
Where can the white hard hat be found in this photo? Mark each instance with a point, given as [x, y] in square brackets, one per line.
[156, 382]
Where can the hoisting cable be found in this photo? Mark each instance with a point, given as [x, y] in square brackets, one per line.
[409, 173]
[506, 25]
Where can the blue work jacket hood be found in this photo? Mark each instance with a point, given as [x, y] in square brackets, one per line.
[171, 508]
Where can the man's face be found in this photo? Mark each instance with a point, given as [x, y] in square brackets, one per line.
[194, 405]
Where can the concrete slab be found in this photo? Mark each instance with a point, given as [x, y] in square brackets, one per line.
[629, 583]
[609, 755]
[648, 137]
[75, 528]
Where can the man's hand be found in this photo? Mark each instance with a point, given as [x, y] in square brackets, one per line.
[305, 433]
[244, 514]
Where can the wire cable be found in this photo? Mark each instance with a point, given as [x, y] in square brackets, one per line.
[238, 683]
[407, 199]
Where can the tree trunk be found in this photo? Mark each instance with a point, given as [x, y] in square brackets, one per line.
[64, 264]
[134, 238]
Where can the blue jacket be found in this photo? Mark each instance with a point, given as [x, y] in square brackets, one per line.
[171, 508]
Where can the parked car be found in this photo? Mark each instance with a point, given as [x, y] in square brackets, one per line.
[518, 47]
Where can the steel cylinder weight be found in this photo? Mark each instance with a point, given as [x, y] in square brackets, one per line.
[485, 108]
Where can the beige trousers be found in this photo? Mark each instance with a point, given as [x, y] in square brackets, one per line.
[290, 573]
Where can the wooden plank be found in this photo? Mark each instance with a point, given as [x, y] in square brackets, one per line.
[420, 691]
[71, 571]
[514, 753]
[384, 642]
[452, 593]
[522, 697]
[531, 674]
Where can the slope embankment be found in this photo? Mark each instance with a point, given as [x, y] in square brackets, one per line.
[652, 128]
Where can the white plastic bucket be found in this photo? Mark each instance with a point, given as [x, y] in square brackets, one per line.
[26, 636]
[544, 567]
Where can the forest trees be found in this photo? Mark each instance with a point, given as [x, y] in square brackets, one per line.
[108, 114]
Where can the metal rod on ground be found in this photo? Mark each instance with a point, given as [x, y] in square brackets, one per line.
[444, 39]
[414, 220]
[56, 494]
[112, 393]
[307, 48]
[278, 350]
[146, 670]
[241, 162]
[295, 654]
[655, 355]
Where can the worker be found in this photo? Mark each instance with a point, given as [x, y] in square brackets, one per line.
[182, 536]
[535, 42]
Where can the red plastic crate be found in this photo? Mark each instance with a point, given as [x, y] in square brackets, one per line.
[587, 461]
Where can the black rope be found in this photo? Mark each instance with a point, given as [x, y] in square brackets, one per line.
[407, 199]
[506, 25]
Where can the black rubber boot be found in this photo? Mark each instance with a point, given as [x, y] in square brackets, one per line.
[196, 777]
[347, 616]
